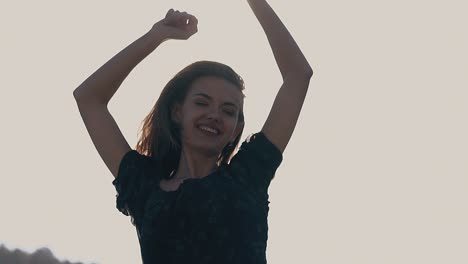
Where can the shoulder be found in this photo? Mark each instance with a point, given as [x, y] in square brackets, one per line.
[256, 162]
[258, 147]
[136, 170]
[136, 177]
[133, 160]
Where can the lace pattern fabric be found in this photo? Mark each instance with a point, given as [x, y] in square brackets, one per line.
[221, 218]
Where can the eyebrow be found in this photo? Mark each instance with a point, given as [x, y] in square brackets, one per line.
[210, 98]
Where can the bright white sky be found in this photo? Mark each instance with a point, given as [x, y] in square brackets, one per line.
[376, 171]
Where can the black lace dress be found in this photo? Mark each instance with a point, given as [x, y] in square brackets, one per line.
[220, 218]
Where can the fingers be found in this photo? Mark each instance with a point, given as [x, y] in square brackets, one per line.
[183, 18]
[192, 19]
[178, 25]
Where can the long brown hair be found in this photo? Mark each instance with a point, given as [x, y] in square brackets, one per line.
[160, 135]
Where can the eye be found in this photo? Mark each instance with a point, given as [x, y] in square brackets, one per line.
[230, 112]
[201, 103]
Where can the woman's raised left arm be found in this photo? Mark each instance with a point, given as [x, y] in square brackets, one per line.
[296, 73]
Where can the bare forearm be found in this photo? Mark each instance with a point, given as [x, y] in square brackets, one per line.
[287, 54]
[103, 83]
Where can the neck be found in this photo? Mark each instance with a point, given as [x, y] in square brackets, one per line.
[194, 165]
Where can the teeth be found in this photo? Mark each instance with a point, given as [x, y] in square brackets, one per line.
[209, 129]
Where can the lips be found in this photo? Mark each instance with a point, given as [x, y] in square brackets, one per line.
[209, 129]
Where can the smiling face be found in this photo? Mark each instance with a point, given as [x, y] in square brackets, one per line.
[209, 115]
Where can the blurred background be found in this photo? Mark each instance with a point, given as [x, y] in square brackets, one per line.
[40, 256]
[376, 171]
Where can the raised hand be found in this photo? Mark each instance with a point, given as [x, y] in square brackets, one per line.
[176, 25]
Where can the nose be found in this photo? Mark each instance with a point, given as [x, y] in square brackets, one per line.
[213, 115]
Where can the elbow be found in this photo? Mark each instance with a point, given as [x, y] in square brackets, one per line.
[308, 72]
[81, 98]
[75, 95]
[305, 73]
[78, 95]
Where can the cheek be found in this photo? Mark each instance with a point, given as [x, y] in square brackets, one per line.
[231, 125]
[186, 123]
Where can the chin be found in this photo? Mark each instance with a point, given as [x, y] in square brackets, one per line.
[209, 151]
[207, 146]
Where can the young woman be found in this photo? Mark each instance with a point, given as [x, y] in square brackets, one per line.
[192, 198]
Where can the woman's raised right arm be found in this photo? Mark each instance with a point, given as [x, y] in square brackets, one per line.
[94, 94]
[103, 83]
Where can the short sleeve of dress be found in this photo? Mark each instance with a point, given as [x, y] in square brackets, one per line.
[133, 183]
[256, 162]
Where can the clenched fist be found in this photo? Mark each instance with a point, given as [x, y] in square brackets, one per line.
[176, 25]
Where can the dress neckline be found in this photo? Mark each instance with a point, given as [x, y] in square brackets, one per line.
[182, 184]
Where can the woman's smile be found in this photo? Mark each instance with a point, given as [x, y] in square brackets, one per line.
[209, 130]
